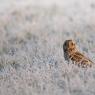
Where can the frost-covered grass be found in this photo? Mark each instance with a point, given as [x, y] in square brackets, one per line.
[31, 53]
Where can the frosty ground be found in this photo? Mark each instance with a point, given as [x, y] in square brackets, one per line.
[31, 53]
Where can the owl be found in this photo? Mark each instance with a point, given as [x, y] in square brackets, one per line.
[71, 53]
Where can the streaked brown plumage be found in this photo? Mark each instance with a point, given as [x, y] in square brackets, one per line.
[71, 53]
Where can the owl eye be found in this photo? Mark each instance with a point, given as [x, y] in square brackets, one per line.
[70, 49]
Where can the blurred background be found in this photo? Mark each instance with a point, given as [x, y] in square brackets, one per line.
[32, 33]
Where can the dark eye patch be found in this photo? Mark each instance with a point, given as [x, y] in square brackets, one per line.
[72, 44]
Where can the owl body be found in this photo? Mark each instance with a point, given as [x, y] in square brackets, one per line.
[72, 54]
